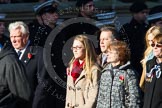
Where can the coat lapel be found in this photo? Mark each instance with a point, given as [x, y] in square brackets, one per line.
[83, 73]
[25, 58]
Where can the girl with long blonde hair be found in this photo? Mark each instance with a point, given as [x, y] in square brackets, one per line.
[83, 75]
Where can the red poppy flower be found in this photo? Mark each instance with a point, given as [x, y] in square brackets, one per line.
[121, 78]
[29, 55]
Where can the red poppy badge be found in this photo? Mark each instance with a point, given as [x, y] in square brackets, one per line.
[29, 55]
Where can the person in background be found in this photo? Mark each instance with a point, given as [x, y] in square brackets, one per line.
[47, 16]
[148, 54]
[3, 37]
[86, 8]
[155, 16]
[15, 87]
[152, 94]
[47, 13]
[118, 87]
[107, 35]
[134, 32]
[84, 74]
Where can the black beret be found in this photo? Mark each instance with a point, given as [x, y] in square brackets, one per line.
[49, 6]
[155, 14]
[80, 3]
[137, 7]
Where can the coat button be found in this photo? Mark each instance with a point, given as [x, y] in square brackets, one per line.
[78, 88]
[70, 88]
[76, 105]
[68, 104]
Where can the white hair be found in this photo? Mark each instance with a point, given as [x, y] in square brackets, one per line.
[19, 25]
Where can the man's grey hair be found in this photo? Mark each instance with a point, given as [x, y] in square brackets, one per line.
[19, 25]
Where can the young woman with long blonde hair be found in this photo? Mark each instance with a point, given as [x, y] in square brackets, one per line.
[83, 75]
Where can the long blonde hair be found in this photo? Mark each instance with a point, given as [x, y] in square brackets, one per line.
[155, 30]
[90, 55]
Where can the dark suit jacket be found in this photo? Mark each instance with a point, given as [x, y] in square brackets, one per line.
[41, 83]
[33, 61]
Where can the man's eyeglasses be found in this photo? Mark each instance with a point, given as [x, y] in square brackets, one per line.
[76, 48]
[156, 45]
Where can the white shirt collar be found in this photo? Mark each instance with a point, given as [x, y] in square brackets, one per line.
[23, 50]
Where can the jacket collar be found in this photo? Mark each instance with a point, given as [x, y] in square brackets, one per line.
[29, 50]
[25, 58]
[122, 67]
[83, 74]
[152, 62]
